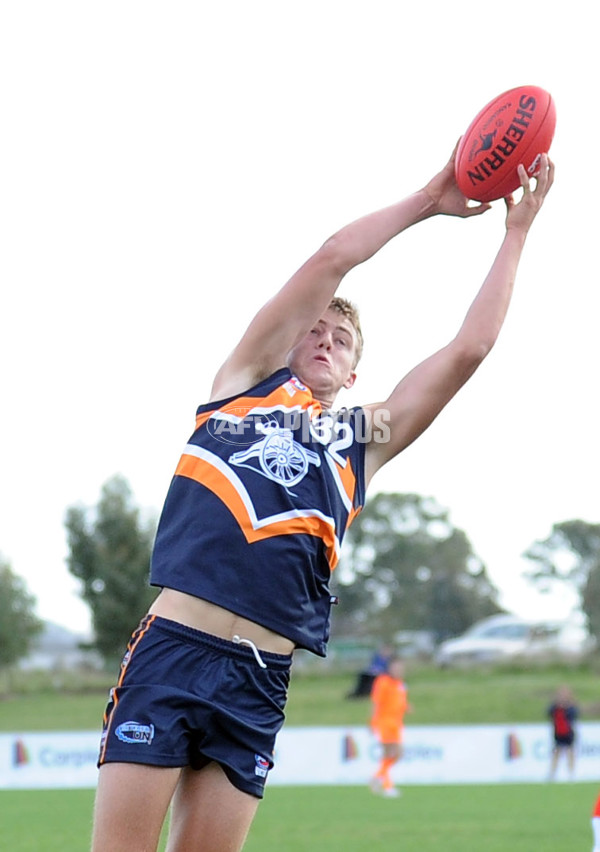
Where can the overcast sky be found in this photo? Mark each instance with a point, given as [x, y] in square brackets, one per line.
[167, 166]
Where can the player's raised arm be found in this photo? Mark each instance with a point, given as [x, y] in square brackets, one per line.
[294, 310]
[422, 393]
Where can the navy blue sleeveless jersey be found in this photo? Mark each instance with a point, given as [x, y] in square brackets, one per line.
[258, 506]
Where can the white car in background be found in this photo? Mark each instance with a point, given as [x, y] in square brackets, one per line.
[502, 638]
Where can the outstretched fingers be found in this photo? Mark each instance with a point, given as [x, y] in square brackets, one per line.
[545, 178]
[523, 212]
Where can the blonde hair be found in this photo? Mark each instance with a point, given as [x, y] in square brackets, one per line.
[350, 311]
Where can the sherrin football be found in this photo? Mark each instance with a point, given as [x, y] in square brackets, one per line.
[516, 127]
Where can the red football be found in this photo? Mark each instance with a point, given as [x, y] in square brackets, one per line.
[516, 127]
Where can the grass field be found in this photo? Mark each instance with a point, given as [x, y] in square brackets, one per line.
[499, 818]
[486, 818]
[438, 697]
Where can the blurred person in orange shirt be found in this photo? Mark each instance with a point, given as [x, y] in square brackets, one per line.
[389, 697]
[596, 824]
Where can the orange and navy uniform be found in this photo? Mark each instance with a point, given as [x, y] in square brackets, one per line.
[186, 698]
[258, 506]
[390, 702]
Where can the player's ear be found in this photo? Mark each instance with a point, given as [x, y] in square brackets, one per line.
[350, 380]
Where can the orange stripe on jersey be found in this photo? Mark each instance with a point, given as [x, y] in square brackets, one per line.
[206, 474]
[348, 479]
[203, 417]
[352, 515]
[243, 404]
[279, 396]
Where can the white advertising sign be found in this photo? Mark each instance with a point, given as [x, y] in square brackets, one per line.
[457, 754]
[469, 754]
[40, 760]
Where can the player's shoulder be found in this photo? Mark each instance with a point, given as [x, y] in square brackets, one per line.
[229, 383]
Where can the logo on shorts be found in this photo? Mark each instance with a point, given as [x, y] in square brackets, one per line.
[262, 766]
[134, 732]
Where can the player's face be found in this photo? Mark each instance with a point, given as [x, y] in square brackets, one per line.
[324, 358]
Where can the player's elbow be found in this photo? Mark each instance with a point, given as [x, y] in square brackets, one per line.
[339, 254]
[468, 355]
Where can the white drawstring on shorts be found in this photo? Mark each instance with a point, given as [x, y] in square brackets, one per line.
[239, 641]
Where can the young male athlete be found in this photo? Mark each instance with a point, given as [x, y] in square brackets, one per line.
[251, 530]
[389, 698]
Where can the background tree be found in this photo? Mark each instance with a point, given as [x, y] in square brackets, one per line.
[404, 566]
[571, 554]
[19, 625]
[110, 551]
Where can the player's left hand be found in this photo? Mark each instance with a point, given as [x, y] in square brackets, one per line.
[447, 197]
[520, 215]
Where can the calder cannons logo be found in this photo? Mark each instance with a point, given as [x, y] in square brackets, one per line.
[492, 150]
[134, 732]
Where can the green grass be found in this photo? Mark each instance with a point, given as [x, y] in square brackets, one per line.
[523, 818]
[438, 697]
[448, 697]
[494, 818]
[498, 818]
[52, 712]
[47, 820]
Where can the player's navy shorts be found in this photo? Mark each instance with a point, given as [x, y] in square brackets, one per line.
[185, 698]
[564, 740]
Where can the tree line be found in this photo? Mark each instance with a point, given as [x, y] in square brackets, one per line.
[404, 565]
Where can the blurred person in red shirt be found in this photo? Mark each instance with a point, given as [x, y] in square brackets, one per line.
[563, 713]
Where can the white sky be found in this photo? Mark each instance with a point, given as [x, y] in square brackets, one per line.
[167, 166]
